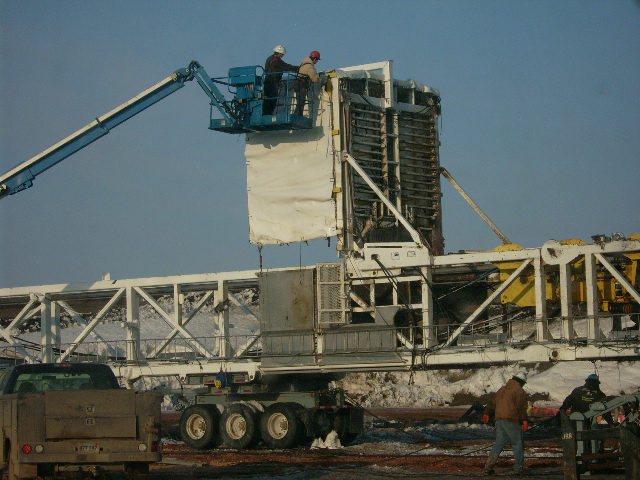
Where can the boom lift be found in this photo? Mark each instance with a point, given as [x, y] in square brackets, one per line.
[241, 114]
[370, 146]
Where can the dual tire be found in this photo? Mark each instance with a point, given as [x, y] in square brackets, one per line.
[199, 427]
[240, 426]
[280, 427]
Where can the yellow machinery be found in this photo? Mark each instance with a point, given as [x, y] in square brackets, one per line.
[611, 296]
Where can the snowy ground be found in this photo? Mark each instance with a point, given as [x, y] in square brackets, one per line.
[397, 443]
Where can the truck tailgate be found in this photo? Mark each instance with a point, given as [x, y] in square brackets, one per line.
[90, 414]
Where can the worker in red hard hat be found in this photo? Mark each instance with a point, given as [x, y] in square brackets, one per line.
[306, 74]
[273, 68]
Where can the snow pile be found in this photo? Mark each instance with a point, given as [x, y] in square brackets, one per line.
[437, 387]
[331, 442]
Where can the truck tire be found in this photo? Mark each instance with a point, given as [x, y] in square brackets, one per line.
[238, 426]
[199, 427]
[280, 427]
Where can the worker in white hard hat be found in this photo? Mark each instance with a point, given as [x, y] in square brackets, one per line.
[307, 74]
[273, 68]
[510, 407]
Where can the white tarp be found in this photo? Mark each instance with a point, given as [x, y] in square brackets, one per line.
[290, 182]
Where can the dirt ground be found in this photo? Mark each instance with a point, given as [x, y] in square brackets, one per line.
[369, 459]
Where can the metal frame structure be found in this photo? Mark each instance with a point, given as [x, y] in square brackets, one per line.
[332, 346]
[387, 158]
[393, 302]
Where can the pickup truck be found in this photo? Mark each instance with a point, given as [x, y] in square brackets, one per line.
[74, 417]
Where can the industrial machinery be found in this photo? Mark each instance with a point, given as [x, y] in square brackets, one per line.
[590, 444]
[240, 115]
[362, 165]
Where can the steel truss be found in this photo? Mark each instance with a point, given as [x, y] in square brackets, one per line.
[367, 334]
[473, 339]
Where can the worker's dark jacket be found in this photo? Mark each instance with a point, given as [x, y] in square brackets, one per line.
[581, 398]
[509, 403]
[277, 65]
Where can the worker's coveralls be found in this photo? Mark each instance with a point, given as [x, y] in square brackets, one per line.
[580, 400]
[308, 74]
[273, 68]
[510, 407]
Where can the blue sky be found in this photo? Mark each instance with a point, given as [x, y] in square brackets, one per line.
[541, 114]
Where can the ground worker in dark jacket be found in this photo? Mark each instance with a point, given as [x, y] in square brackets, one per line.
[510, 407]
[581, 398]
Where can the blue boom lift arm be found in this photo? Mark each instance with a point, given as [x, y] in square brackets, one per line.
[241, 115]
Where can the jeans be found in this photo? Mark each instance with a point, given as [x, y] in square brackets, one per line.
[508, 432]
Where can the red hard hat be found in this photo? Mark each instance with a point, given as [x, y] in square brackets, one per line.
[315, 54]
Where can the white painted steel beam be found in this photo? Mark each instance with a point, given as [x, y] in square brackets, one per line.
[566, 305]
[167, 341]
[76, 317]
[429, 336]
[542, 331]
[224, 348]
[196, 345]
[386, 69]
[474, 205]
[27, 312]
[591, 281]
[618, 276]
[416, 237]
[89, 328]
[467, 323]
[132, 326]
[49, 317]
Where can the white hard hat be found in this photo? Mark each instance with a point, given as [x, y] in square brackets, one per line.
[522, 375]
[280, 49]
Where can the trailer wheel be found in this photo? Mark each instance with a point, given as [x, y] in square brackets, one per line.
[238, 426]
[199, 427]
[280, 427]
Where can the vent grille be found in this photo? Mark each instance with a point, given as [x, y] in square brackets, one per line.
[331, 294]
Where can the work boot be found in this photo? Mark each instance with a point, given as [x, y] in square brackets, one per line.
[488, 467]
[524, 471]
